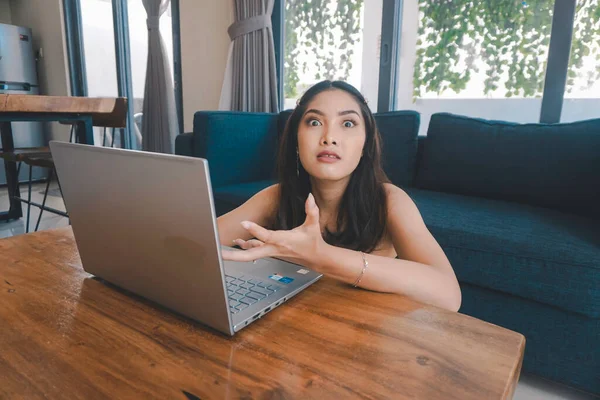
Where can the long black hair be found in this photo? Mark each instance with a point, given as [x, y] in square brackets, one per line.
[362, 212]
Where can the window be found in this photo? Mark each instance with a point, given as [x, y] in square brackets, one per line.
[331, 39]
[475, 58]
[485, 59]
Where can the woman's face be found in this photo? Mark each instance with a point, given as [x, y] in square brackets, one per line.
[331, 135]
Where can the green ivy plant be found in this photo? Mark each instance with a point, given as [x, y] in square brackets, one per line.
[509, 36]
[309, 29]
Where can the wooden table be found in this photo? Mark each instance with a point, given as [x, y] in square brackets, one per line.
[83, 112]
[65, 334]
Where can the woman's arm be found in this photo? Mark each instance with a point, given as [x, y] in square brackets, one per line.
[422, 282]
[423, 272]
[259, 209]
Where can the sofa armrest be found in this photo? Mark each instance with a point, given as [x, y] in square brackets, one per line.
[184, 144]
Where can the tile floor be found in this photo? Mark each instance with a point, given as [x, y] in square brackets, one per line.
[530, 387]
[49, 221]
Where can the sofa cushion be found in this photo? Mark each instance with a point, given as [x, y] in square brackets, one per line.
[229, 197]
[399, 130]
[241, 146]
[554, 166]
[532, 252]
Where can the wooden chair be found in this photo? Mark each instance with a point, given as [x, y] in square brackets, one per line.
[43, 160]
[37, 157]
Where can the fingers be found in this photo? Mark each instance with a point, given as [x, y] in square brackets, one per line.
[254, 243]
[312, 211]
[249, 255]
[257, 231]
[247, 244]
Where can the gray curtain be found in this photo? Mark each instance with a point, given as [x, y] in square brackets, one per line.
[159, 122]
[251, 80]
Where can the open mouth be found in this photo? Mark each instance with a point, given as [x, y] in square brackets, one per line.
[328, 156]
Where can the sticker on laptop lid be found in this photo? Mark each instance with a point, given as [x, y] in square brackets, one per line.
[276, 277]
[302, 271]
[281, 279]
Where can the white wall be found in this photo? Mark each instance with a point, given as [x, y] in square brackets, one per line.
[204, 49]
[45, 18]
[580, 109]
[5, 14]
[512, 110]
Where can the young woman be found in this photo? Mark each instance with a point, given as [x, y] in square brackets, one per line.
[333, 209]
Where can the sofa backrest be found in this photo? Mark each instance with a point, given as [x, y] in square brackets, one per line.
[243, 146]
[399, 130]
[555, 166]
[240, 146]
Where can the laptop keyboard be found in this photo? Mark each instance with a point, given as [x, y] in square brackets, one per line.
[245, 291]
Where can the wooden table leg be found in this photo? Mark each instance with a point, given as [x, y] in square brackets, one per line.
[12, 179]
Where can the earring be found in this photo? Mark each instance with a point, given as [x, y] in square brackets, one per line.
[297, 163]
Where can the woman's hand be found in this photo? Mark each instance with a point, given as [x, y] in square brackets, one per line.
[300, 245]
[247, 244]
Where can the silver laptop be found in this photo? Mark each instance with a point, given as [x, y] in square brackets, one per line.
[146, 222]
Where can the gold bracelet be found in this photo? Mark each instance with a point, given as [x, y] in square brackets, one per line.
[365, 266]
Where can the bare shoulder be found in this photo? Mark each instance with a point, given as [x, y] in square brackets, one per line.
[396, 196]
[401, 207]
[270, 192]
[270, 195]
[263, 204]
[411, 237]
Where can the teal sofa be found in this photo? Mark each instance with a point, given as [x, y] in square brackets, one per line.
[515, 207]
